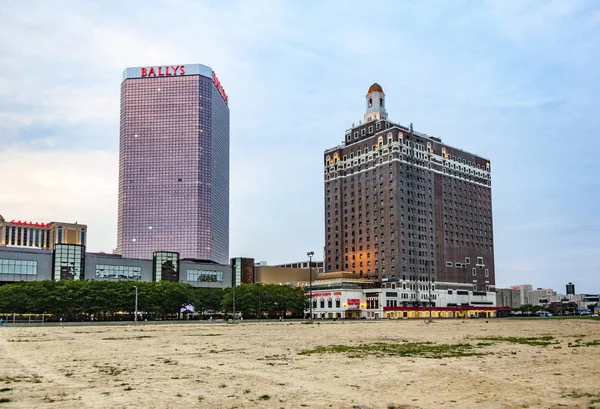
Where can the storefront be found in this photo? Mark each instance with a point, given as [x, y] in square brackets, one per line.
[341, 304]
[465, 311]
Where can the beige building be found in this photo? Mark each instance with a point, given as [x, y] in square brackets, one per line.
[283, 275]
[508, 297]
[24, 233]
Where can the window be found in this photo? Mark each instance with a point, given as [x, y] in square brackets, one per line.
[69, 262]
[448, 264]
[204, 276]
[487, 272]
[18, 267]
[467, 260]
[480, 260]
[165, 266]
[112, 272]
[474, 271]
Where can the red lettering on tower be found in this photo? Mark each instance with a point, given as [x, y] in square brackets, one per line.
[144, 72]
[151, 73]
[220, 88]
[182, 70]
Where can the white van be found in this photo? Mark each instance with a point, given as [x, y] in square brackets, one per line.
[544, 314]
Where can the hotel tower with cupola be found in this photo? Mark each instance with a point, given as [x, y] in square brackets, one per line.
[403, 207]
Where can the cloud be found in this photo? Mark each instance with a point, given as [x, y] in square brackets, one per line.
[513, 81]
[63, 185]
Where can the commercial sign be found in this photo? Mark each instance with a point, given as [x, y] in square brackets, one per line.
[176, 71]
[353, 303]
[168, 70]
[220, 88]
[326, 294]
[36, 224]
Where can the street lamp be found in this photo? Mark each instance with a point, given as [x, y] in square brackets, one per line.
[429, 274]
[136, 303]
[233, 289]
[310, 254]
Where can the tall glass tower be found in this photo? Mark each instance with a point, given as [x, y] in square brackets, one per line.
[174, 163]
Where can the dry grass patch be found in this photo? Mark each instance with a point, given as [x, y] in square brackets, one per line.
[540, 341]
[408, 349]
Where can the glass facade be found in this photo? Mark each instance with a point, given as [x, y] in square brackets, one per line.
[205, 276]
[18, 267]
[165, 266]
[68, 262]
[107, 271]
[173, 168]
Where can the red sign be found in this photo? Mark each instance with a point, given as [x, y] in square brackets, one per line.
[337, 293]
[353, 301]
[322, 294]
[220, 88]
[166, 71]
[36, 224]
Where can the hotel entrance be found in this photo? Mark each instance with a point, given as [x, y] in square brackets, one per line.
[352, 314]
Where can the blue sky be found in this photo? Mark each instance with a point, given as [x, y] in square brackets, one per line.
[515, 81]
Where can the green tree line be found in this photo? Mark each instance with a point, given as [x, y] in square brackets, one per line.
[257, 299]
[102, 298]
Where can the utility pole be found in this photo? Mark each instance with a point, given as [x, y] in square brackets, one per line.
[233, 301]
[136, 303]
[310, 254]
[429, 275]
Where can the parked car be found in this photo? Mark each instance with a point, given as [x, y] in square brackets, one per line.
[544, 314]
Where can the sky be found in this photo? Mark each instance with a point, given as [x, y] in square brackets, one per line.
[514, 81]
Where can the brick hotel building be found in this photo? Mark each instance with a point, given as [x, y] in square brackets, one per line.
[403, 208]
[174, 164]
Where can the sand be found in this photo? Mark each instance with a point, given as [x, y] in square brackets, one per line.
[257, 365]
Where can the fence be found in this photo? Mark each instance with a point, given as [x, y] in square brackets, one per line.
[22, 318]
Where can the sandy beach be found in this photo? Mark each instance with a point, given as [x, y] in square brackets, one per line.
[260, 365]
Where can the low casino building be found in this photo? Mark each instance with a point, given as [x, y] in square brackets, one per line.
[31, 251]
[71, 262]
[344, 295]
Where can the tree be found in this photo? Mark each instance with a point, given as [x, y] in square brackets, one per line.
[73, 297]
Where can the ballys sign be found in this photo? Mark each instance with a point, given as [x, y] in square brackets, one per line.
[220, 88]
[176, 70]
[167, 71]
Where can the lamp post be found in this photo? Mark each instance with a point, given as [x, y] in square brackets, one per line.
[429, 274]
[233, 302]
[136, 303]
[310, 254]
[259, 305]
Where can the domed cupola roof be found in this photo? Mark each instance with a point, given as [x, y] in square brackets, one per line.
[375, 88]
